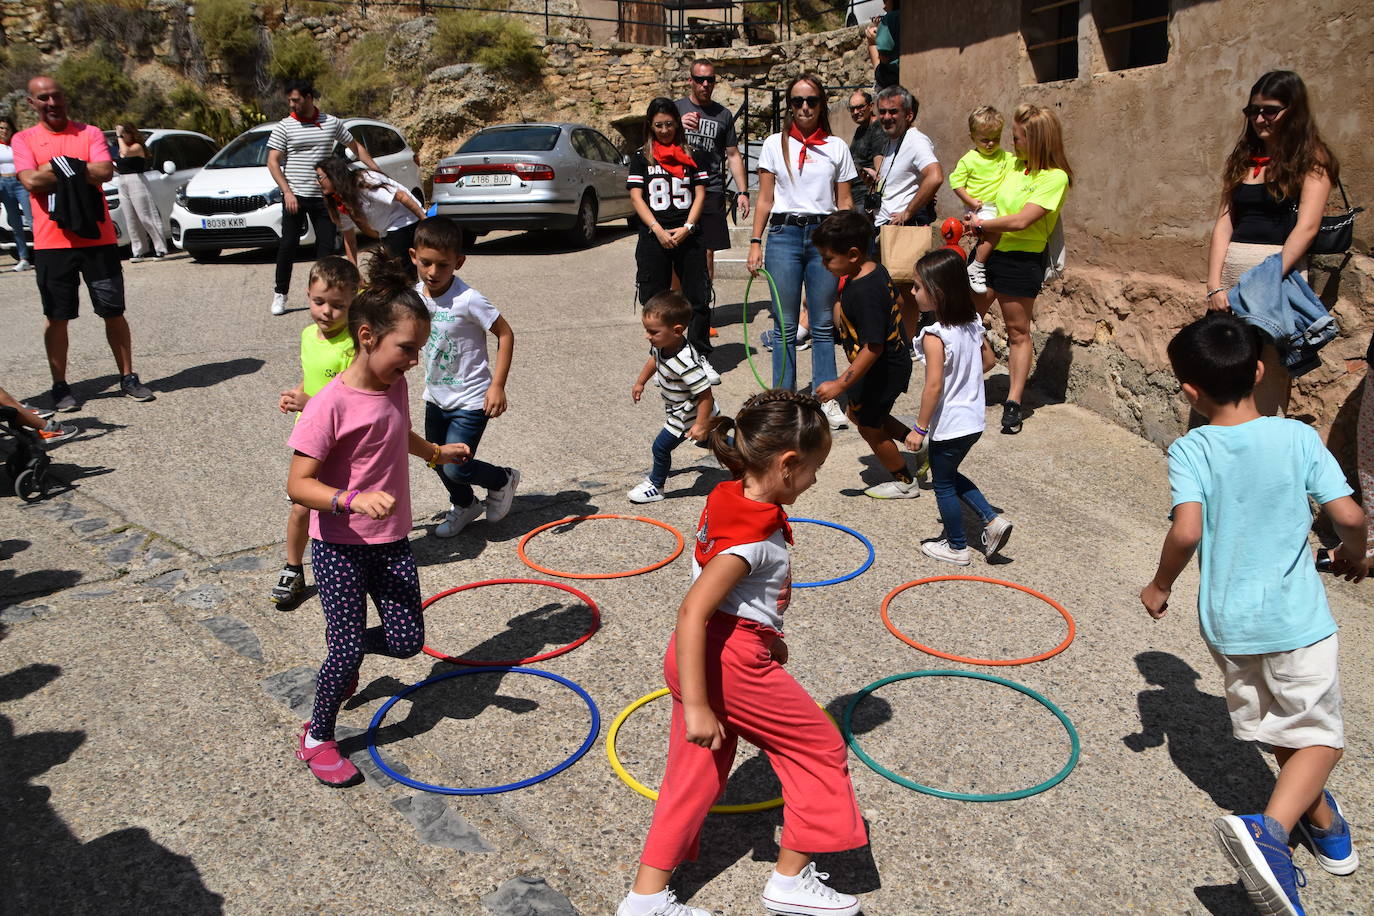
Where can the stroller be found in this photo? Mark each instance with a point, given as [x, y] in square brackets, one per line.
[28, 464]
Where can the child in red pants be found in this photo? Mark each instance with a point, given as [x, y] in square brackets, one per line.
[724, 666]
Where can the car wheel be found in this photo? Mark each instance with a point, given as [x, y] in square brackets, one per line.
[583, 232]
[203, 255]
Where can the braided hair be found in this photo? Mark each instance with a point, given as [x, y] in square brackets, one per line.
[769, 423]
[388, 298]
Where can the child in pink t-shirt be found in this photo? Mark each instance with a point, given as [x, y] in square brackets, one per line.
[349, 466]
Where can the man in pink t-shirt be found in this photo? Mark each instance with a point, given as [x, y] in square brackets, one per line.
[62, 257]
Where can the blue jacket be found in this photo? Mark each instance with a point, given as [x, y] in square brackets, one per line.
[1287, 311]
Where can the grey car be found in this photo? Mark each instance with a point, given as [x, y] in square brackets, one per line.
[560, 176]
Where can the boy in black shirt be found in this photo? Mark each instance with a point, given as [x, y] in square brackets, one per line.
[868, 323]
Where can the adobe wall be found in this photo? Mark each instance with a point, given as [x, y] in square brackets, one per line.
[1147, 146]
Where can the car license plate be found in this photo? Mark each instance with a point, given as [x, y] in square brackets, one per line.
[225, 222]
[486, 181]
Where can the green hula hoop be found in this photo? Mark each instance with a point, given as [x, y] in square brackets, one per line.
[777, 312]
[1054, 780]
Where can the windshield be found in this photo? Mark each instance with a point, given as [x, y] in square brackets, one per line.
[245, 152]
[510, 139]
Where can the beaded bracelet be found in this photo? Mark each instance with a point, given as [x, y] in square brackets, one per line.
[348, 502]
[334, 503]
[434, 461]
[1213, 292]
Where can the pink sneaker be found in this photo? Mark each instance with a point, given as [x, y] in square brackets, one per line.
[328, 765]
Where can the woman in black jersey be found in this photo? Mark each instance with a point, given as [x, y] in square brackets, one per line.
[1274, 189]
[668, 190]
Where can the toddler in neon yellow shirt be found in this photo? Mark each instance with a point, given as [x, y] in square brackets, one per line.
[976, 179]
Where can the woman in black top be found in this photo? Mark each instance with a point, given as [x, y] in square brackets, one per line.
[668, 190]
[1274, 189]
[135, 195]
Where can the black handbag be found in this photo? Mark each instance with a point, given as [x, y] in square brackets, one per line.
[1337, 231]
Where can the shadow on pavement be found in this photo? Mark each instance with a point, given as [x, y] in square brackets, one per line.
[47, 868]
[14, 587]
[728, 838]
[207, 375]
[1225, 899]
[527, 513]
[541, 242]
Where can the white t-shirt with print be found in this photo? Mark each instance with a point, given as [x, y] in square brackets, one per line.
[457, 373]
[811, 188]
[766, 589]
[901, 172]
[963, 403]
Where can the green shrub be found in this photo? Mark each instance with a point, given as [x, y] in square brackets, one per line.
[362, 86]
[199, 113]
[19, 63]
[502, 45]
[127, 24]
[97, 85]
[227, 29]
[296, 55]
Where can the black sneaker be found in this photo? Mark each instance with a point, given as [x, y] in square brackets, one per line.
[62, 397]
[290, 586]
[1011, 418]
[135, 389]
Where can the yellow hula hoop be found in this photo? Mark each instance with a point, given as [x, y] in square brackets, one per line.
[625, 777]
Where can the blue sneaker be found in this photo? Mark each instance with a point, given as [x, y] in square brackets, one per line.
[768, 339]
[1264, 862]
[1334, 851]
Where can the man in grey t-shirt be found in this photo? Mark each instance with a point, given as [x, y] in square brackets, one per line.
[711, 138]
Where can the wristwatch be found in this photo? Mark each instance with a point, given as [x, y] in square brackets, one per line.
[690, 227]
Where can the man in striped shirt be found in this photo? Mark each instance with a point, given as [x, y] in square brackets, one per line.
[297, 144]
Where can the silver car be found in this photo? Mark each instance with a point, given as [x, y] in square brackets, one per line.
[560, 176]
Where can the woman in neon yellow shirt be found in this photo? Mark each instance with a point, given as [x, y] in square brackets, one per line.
[1028, 204]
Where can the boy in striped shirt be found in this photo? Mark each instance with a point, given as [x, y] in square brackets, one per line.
[686, 390]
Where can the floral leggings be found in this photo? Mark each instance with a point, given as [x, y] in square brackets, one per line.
[345, 575]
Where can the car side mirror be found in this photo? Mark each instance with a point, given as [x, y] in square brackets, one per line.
[169, 167]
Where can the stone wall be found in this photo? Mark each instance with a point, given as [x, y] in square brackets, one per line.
[1147, 146]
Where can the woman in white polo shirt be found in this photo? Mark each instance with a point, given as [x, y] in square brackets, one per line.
[804, 176]
[371, 203]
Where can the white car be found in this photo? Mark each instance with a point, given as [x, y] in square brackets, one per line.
[234, 203]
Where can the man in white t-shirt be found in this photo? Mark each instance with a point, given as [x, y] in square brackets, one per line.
[906, 172]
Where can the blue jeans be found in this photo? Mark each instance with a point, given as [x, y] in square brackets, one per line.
[951, 487]
[663, 446]
[793, 260]
[16, 200]
[465, 426]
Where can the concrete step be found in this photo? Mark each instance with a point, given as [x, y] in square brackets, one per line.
[732, 267]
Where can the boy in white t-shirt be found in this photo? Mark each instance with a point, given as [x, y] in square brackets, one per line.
[462, 390]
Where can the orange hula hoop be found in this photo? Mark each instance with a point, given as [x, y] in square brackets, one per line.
[524, 558]
[887, 620]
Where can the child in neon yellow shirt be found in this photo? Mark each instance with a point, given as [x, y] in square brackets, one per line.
[975, 181]
[326, 350]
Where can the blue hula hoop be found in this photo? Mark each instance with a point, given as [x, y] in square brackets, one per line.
[883, 771]
[847, 576]
[488, 790]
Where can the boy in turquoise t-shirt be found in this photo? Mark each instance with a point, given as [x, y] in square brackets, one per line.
[1240, 489]
[326, 350]
[975, 181]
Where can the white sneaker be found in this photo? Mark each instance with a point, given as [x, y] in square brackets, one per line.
[940, 550]
[978, 277]
[279, 303]
[646, 492]
[835, 415]
[712, 375]
[894, 489]
[670, 907]
[996, 533]
[21, 266]
[804, 339]
[498, 501]
[457, 519]
[808, 897]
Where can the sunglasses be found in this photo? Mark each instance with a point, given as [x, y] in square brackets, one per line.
[807, 101]
[704, 80]
[1263, 111]
[855, 109]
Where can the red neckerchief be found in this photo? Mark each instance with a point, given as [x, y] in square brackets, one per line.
[736, 519]
[818, 137]
[339, 202]
[317, 121]
[674, 159]
[1259, 162]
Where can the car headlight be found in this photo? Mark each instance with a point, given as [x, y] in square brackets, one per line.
[181, 195]
[274, 196]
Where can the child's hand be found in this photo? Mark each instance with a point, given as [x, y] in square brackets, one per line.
[829, 391]
[376, 505]
[975, 207]
[1155, 599]
[698, 432]
[703, 727]
[292, 401]
[1351, 568]
[678, 234]
[664, 239]
[495, 402]
[637, 391]
[454, 453]
[913, 441]
[779, 651]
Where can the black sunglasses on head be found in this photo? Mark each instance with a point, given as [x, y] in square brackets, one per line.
[703, 79]
[810, 101]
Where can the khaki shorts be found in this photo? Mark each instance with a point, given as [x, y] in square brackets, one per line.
[1285, 699]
